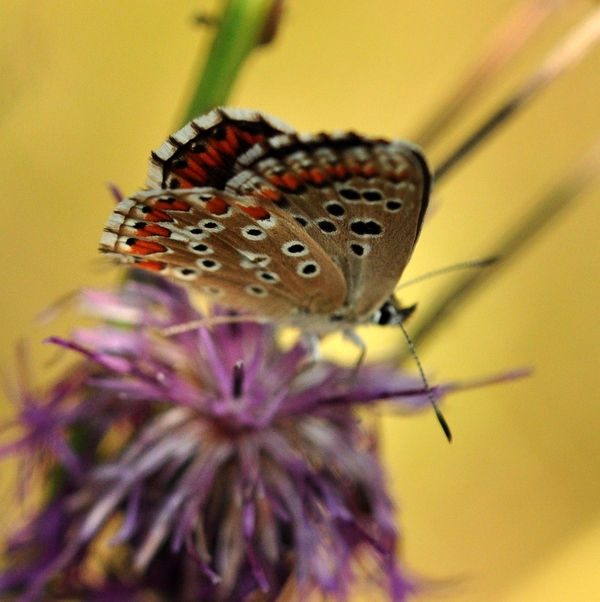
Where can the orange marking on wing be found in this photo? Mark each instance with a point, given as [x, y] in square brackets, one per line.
[156, 215]
[148, 264]
[230, 144]
[146, 247]
[369, 170]
[224, 148]
[255, 211]
[217, 206]
[403, 174]
[192, 173]
[250, 138]
[314, 176]
[271, 194]
[337, 171]
[208, 158]
[215, 155]
[230, 135]
[291, 181]
[153, 230]
[288, 181]
[174, 205]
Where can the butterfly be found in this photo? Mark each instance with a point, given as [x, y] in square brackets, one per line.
[311, 229]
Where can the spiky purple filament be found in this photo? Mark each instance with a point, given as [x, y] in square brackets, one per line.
[228, 464]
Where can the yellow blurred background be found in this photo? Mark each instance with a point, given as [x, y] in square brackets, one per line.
[510, 511]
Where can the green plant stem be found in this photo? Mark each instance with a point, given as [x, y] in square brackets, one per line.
[239, 32]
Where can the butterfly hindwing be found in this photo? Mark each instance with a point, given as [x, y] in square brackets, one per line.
[228, 247]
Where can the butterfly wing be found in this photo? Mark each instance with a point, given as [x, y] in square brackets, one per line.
[362, 200]
[228, 247]
[335, 217]
[204, 152]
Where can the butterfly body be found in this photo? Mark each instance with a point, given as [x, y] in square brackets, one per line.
[313, 230]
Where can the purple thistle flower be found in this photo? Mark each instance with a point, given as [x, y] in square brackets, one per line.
[210, 465]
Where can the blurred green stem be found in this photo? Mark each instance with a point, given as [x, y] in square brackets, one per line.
[241, 29]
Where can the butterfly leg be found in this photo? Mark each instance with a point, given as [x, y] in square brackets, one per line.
[359, 342]
[314, 348]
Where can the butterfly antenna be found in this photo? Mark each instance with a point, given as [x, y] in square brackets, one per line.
[434, 404]
[455, 267]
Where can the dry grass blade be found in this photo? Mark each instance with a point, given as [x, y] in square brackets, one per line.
[566, 55]
[519, 27]
[557, 200]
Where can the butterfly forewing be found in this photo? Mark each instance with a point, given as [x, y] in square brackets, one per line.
[362, 200]
[228, 247]
[204, 152]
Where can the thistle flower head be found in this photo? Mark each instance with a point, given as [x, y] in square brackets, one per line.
[211, 465]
